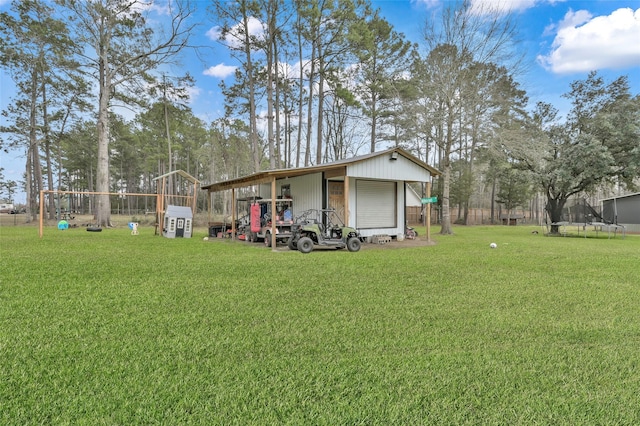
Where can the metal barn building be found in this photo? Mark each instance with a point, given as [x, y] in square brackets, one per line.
[368, 192]
[623, 210]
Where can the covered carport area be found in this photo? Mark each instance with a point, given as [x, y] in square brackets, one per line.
[269, 177]
[368, 192]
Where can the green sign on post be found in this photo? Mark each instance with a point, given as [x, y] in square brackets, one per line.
[429, 200]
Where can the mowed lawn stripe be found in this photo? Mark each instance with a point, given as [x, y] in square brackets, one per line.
[110, 328]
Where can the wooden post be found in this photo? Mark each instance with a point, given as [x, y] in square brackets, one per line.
[346, 201]
[273, 214]
[233, 214]
[41, 211]
[428, 211]
[158, 201]
[208, 209]
[194, 200]
[160, 208]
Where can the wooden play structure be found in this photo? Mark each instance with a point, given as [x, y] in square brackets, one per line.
[176, 188]
[167, 194]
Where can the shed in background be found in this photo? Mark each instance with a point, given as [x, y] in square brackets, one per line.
[623, 210]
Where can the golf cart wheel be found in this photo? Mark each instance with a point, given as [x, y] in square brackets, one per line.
[292, 244]
[267, 239]
[353, 244]
[305, 245]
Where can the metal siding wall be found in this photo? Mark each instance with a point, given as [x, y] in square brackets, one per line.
[632, 228]
[629, 210]
[306, 192]
[384, 168]
[351, 220]
[264, 190]
[608, 211]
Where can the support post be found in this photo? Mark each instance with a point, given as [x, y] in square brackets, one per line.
[208, 209]
[346, 201]
[160, 212]
[158, 224]
[41, 211]
[273, 214]
[233, 214]
[194, 200]
[428, 211]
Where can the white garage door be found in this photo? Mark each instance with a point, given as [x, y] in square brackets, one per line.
[375, 204]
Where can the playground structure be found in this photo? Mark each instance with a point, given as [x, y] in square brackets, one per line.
[166, 193]
[585, 218]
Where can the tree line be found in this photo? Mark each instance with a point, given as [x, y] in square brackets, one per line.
[316, 81]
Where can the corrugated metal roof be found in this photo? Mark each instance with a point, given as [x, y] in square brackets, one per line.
[268, 175]
[617, 197]
[178, 211]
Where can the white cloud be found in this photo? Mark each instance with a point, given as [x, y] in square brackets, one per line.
[193, 93]
[220, 71]
[233, 37]
[490, 7]
[584, 43]
[483, 7]
[574, 19]
[292, 71]
[427, 3]
[214, 33]
[571, 20]
[161, 7]
[165, 10]
[255, 27]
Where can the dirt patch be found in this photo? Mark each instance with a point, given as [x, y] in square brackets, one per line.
[395, 244]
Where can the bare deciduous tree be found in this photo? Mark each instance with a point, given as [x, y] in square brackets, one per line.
[119, 49]
[465, 35]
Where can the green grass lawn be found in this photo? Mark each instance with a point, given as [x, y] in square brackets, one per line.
[109, 328]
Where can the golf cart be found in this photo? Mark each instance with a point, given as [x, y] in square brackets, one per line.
[257, 225]
[322, 228]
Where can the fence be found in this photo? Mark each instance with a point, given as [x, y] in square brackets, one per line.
[476, 216]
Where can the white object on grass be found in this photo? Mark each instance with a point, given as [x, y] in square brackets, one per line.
[493, 245]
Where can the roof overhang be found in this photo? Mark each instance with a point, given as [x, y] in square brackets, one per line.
[621, 196]
[334, 169]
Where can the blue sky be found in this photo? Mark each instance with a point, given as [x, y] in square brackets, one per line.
[562, 41]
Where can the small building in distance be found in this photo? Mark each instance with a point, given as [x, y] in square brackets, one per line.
[512, 219]
[623, 210]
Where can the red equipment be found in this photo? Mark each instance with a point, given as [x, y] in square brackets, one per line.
[255, 217]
